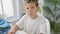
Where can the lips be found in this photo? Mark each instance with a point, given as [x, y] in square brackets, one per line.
[30, 14]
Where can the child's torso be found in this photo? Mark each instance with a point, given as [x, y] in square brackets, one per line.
[31, 25]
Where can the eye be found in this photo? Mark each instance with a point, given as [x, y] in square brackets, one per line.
[27, 8]
[32, 7]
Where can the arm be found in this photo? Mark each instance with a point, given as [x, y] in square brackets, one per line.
[46, 28]
[13, 30]
[41, 33]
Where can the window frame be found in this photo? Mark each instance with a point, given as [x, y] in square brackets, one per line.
[16, 7]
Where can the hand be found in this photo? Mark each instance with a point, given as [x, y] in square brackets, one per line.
[11, 32]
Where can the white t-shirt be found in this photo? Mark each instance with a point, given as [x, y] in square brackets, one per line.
[34, 26]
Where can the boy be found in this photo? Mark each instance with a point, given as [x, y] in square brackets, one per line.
[31, 22]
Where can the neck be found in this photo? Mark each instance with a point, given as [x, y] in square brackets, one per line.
[34, 17]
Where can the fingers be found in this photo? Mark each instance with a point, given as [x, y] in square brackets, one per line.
[11, 32]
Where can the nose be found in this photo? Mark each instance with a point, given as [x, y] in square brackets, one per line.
[30, 10]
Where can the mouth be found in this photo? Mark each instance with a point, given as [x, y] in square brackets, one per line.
[30, 14]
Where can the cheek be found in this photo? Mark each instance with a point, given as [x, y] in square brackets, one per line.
[25, 9]
[35, 10]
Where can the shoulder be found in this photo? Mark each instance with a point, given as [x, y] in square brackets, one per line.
[23, 17]
[43, 19]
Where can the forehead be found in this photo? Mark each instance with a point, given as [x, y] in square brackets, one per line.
[30, 4]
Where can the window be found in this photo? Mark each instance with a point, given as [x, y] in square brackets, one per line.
[8, 8]
[41, 6]
[0, 8]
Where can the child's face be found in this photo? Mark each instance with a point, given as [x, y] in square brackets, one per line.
[31, 9]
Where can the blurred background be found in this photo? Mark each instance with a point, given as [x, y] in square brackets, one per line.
[51, 10]
[13, 10]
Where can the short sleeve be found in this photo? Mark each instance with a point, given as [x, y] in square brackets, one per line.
[42, 28]
[48, 26]
[20, 23]
[45, 27]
